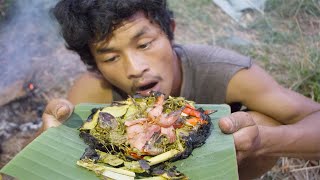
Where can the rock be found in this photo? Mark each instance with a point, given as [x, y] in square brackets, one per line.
[12, 92]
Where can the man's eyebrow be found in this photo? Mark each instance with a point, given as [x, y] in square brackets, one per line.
[141, 32]
[104, 50]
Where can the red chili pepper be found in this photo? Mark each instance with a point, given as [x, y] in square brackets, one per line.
[208, 112]
[194, 121]
[191, 112]
[177, 125]
[135, 155]
[186, 110]
[190, 107]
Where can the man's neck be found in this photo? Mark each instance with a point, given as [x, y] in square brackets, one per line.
[177, 71]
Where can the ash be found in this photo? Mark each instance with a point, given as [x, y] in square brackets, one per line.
[19, 120]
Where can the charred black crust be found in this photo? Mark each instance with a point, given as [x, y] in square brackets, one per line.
[90, 140]
[166, 168]
[93, 111]
[93, 143]
[195, 138]
[90, 153]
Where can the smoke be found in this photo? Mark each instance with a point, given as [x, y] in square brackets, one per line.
[34, 68]
[29, 33]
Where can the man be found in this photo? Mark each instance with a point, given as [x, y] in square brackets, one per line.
[128, 46]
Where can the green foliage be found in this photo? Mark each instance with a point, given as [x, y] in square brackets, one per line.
[289, 8]
[288, 44]
[4, 5]
[285, 38]
[279, 37]
[308, 75]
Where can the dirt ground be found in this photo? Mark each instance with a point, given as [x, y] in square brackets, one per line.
[21, 117]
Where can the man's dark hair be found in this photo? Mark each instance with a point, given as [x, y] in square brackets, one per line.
[87, 21]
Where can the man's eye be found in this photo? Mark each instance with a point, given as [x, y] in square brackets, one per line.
[145, 45]
[111, 59]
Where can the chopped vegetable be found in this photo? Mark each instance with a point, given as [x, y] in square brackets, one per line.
[100, 169]
[116, 176]
[163, 157]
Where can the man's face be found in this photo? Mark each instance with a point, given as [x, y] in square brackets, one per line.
[138, 58]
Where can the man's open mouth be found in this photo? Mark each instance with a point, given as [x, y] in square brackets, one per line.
[147, 86]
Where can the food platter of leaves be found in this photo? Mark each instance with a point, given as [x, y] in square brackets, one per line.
[139, 137]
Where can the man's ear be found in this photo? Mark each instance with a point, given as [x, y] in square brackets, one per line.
[173, 25]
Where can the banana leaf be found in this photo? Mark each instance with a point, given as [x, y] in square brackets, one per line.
[54, 153]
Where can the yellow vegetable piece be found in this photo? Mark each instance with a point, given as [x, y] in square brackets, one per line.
[91, 124]
[116, 111]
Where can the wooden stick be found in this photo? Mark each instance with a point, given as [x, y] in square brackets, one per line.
[306, 168]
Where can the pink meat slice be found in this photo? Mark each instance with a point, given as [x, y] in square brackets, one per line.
[157, 109]
[140, 131]
[139, 134]
[167, 120]
[136, 121]
[170, 133]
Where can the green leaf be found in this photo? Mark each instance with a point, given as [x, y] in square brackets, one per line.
[116, 111]
[53, 155]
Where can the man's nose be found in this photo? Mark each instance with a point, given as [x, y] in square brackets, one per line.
[136, 65]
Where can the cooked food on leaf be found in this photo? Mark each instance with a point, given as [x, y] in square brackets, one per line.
[139, 137]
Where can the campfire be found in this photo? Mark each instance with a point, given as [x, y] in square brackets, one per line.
[20, 114]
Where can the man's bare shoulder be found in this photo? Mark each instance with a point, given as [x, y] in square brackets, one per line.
[90, 88]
